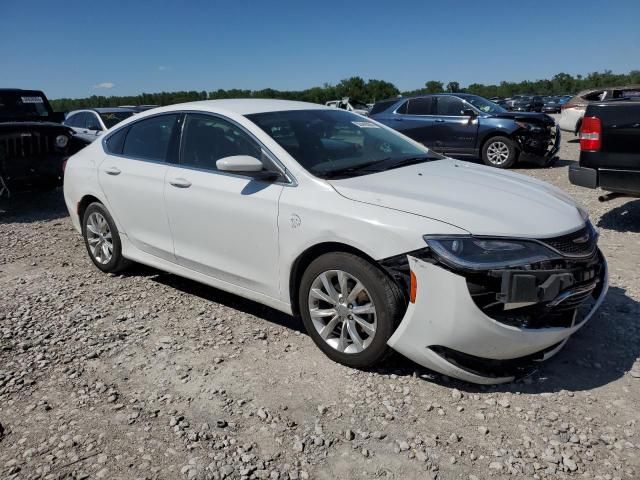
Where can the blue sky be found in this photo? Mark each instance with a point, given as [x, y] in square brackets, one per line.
[79, 48]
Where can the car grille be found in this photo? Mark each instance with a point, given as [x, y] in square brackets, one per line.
[581, 243]
[25, 145]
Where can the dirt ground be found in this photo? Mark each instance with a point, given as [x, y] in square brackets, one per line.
[147, 375]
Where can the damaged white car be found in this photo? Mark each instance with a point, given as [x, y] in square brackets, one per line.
[374, 240]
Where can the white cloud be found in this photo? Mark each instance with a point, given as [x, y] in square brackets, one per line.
[105, 85]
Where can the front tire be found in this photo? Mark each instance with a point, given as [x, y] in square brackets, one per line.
[350, 308]
[102, 239]
[499, 152]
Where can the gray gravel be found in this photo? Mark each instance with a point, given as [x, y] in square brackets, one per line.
[146, 375]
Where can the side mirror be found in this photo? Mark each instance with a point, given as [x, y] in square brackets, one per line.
[467, 112]
[245, 165]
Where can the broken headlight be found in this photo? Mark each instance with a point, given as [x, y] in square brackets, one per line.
[477, 253]
[529, 126]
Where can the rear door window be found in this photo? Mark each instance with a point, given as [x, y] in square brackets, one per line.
[115, 142]
[150, 139]
[420, 106]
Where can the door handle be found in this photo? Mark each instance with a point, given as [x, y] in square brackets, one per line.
[180, 182]
[398, 119]
[112, 171]
[439, 120]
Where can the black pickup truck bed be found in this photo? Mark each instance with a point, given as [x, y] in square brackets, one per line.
[610, 148]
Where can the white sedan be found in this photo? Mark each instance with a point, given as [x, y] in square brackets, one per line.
[374, 240]
[90, 123]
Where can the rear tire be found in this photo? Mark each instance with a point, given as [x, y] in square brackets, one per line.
[499, 152]
[351, 325]
[102, 239]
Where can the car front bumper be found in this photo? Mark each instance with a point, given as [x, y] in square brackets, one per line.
[541, 149]
[444, 318]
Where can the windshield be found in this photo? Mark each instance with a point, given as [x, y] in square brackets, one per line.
[484, 105]
[23, 105]
[112, 118]
[330, 143]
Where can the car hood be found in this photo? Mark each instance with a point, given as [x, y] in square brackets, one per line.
[532, 117]
[481, 200]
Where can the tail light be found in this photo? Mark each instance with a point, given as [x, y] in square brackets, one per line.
[591, 134]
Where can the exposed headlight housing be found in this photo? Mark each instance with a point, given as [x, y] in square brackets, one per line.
[529, 126]
[478, 253]
[62, 141]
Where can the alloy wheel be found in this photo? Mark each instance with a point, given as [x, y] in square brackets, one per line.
[498, 153]
[342, 311]
[99, 238]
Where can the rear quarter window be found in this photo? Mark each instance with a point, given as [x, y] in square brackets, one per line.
[382, 106]
[115, 142]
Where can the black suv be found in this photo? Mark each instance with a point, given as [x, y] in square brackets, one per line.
[33, 143]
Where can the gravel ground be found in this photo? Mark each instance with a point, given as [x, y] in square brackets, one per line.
[146, 375]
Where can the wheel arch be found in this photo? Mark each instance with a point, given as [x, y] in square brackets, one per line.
[303, 260]
[84, 202]
[495, 133]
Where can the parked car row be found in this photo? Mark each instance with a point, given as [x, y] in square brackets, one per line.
[554, 104]
[532, 103]
[376, 241]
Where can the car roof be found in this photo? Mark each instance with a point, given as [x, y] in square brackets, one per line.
[243, 106]
[102, 110]
[112, 109]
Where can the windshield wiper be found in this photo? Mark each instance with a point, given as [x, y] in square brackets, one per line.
[405, 162]
[363, 167]
[382, 165]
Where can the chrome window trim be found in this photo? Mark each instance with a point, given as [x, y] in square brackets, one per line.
[471, 107]
[286, 174]
[128, 125]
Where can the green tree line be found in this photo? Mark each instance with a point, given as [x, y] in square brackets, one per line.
[368, 91]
